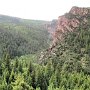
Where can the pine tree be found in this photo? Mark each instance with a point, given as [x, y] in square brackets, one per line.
[30, 68]
[41, 80]
[7, 62]
[20, 68]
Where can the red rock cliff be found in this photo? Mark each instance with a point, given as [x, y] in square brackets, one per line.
[69, 22]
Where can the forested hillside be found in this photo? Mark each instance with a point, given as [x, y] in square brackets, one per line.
[20, 36]
[65, 65]
[69, 54]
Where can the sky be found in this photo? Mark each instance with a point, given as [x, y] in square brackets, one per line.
[39, 9]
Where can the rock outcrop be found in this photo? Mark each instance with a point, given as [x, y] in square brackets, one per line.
[80, 11]
[69, 22]
[77, 17]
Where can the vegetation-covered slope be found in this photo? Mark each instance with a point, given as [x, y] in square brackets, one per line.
[19, 36]
[64, 66]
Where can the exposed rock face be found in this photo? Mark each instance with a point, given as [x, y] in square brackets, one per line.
[69, 22]
[79, 11]
[52, 26]
[66, 23]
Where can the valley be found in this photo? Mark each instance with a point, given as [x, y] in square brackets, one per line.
[46, 55]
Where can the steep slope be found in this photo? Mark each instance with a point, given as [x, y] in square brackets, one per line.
[71, 21]
[70, 49]
[20, 36]
[64, 66]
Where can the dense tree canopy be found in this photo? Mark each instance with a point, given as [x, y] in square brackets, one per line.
[19, 37]
[66, 67]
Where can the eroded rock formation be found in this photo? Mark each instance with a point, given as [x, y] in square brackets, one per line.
[69, 22]
[80, 11]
